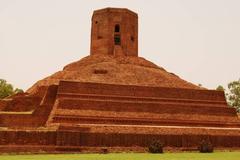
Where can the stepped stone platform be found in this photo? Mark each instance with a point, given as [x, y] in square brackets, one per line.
[116, 100]
[83, 116]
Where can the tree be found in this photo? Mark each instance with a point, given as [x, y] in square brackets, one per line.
[17, 90]
[7, 89]
[220, 88]
[233, 95]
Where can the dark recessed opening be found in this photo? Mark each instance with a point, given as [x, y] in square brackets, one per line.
[96, 22]
[100, 71]
[117, 40]
[99, 37]
[117, 28]
[132, 38]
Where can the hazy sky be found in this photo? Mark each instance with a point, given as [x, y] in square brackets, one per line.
[199, 40]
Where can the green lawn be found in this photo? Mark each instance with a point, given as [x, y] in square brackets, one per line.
[128, 156]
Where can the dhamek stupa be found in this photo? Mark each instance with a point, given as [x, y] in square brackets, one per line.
[115, 99]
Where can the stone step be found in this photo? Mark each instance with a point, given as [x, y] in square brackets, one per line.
[144, 115]
[71, 87]
[140, 106]
[63, 119]
[142, 99]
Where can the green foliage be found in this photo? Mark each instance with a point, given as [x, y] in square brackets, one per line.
[104, 151]
[7, 89]
[220, 88]
[156, 147]
[205, 147]
[233, 95]
[17, 90]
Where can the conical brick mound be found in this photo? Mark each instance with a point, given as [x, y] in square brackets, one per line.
[115, 70]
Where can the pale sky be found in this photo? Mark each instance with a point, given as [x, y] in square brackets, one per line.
[199, 40]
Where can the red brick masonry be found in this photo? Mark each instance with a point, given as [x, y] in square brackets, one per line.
[74, 115]
[120, 109]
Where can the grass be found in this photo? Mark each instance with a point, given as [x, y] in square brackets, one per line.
[128, 156]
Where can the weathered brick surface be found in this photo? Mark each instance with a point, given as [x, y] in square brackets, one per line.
[28, 137]
[139, 106]
[113, 98]
[3, 104]
[22, 104]
[47, 139]
[123, 104]
[103, 32]
[32, 118]
[139, 91]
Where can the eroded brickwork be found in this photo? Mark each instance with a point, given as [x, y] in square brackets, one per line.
[114, 32]
[115, 99]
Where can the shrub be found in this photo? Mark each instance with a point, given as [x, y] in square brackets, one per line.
[156, 147]
[205, 147]
[104, 151]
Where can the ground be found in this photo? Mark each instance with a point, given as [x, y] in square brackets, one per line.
[128, 156]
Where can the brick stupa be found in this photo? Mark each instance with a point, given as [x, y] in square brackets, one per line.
[116, 100]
